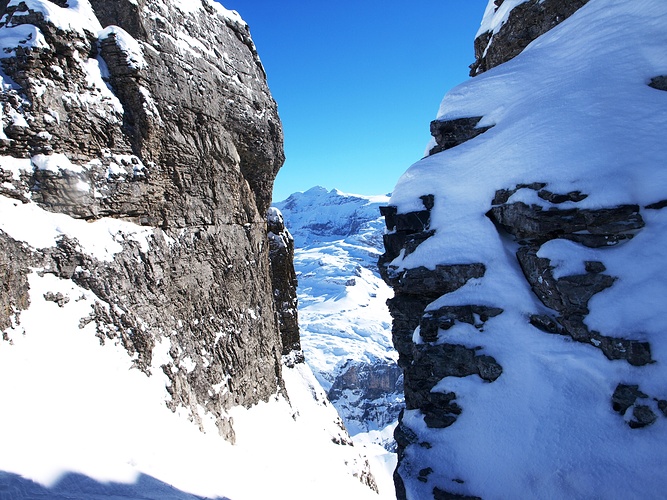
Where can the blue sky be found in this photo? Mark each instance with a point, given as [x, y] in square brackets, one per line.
[357, 83]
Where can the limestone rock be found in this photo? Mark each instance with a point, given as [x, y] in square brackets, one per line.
[284, 280]
[526, 22]
[185, 141]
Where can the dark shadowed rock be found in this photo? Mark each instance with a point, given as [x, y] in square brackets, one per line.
[629, 396]
[432, 282]
[406, 312]
[658, 82]
[625, 396]
[593, 228]
[451, 133]
[284, 280]
[446, 317]
[526, 22]
[569, 297]
[432, 363]
[439, 494]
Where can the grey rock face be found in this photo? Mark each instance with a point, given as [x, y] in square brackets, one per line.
[526, 22]
[369, 392]
[592, 228]
[284, 280]
[184, 140]
[628, 397]
[425, 364]
[15, 260]
[568, 296]
[659, 82]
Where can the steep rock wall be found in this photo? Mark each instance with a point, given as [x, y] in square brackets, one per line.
[524, 252]
[526, 20]
[162, 120]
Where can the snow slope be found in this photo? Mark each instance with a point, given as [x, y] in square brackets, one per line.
[575, 111]
[84, 424]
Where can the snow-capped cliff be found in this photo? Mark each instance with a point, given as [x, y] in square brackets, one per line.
[527, 257]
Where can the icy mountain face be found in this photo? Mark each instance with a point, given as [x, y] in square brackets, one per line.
[138, 149]
[526, 253]
[345, 326]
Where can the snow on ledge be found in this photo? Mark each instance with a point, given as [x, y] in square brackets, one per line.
[190, 6]
[494, 18]
[134, 56]
[79, 16]
[38, 228]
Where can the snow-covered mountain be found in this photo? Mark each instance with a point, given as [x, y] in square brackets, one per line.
[345, 324]
[527, 255]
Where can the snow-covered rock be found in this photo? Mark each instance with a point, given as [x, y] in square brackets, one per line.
[527, 260]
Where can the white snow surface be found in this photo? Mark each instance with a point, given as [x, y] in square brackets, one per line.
[342, 299]
[77, 16]
[84, 424]
[574, 111]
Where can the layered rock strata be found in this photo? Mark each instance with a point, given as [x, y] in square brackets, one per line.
[284, 280]
[525, 23]
[158, 116]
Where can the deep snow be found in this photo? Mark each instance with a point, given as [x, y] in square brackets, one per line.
[575, 111]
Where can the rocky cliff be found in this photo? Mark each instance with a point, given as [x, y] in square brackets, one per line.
[163, 120]
[526, 257]
[138, 150]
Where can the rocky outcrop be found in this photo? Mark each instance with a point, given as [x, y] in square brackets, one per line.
[451, 133]
[284, 280]
[525, 23]
[368, 395]
[163, 120]
[527, 276]
[568, 296]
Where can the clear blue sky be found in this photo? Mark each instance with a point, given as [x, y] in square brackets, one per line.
[358, 82]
